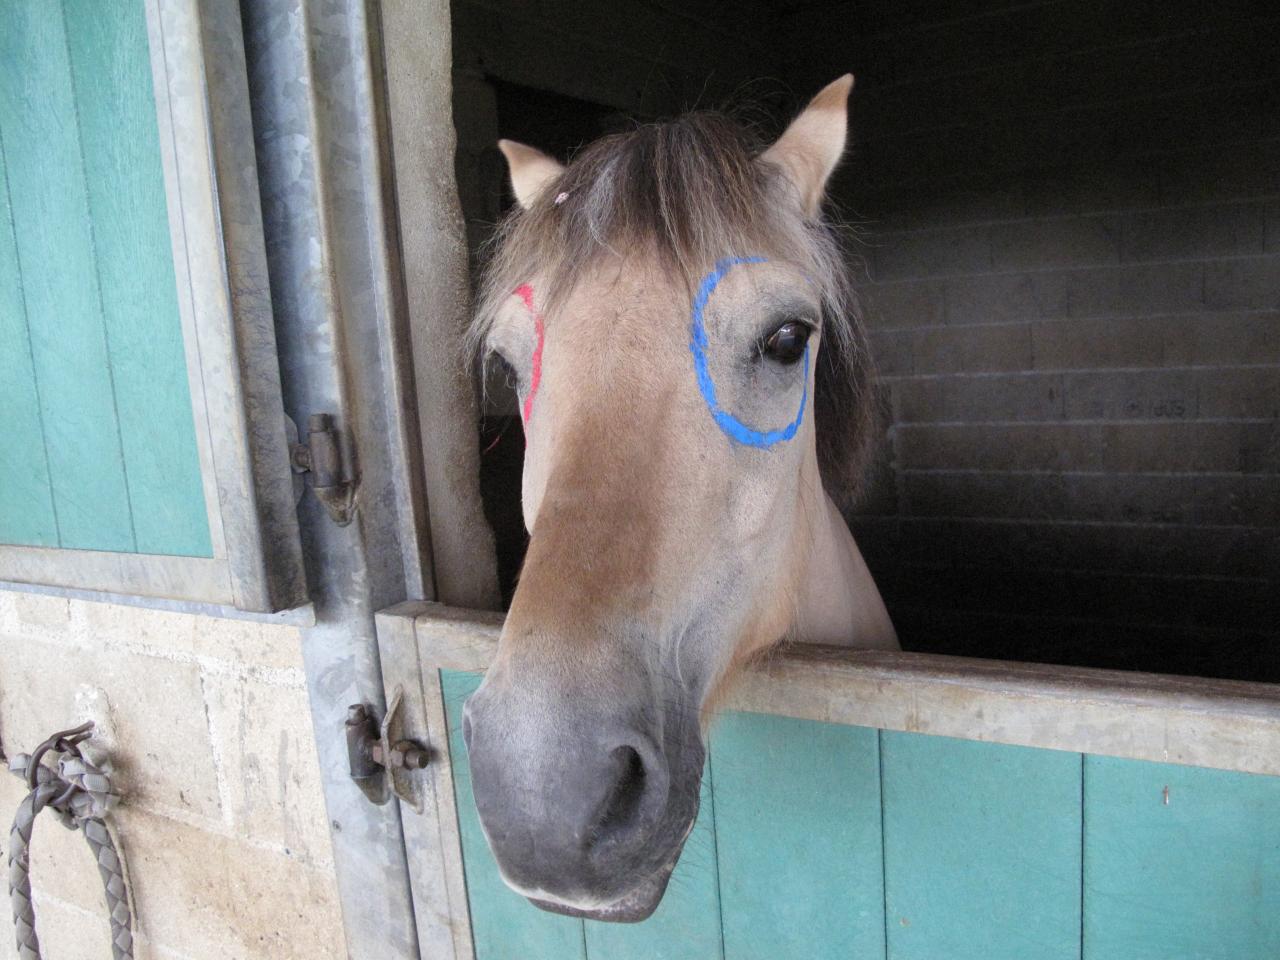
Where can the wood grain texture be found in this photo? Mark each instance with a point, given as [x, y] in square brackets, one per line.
[982, 850]
[111, 70]
[59, 273]
[26, 508]
[956, 848]
[504, 925]
[1180, 862]
[1224, 724]
[432, 847]
[799, 838]
[102, 445]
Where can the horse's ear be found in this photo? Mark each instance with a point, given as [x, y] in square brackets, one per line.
[531, 170]
[810, 147]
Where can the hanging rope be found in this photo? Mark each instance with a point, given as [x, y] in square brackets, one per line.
[81, 796]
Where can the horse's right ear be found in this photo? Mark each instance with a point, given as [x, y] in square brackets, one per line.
[531, 171]
[810, 148]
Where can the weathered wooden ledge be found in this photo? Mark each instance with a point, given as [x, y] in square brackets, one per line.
[1228, 725]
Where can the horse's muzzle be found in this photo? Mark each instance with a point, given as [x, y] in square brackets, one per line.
[637, 905]
[583, 806]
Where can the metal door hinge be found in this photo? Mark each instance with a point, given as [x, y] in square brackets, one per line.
[321, 459]
[378, 754]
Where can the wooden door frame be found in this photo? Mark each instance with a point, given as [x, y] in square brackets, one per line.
[1219, 724]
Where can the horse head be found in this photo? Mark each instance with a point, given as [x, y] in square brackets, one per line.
[678, 320]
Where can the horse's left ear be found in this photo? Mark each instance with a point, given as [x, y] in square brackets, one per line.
[810, 147]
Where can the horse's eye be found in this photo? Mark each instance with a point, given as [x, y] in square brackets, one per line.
[506, 371]
[786, 344]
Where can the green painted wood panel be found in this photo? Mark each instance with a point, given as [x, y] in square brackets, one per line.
[111, 70]
[799, 838]
[26, 504]
[1191, 873]
[830, 841]
[99, 444]
[504, 925]
[686, 925]
[982, 850]
[59, 279]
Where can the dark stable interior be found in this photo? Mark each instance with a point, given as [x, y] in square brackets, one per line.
[1070, 264]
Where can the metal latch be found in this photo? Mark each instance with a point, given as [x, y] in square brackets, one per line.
[321, 458]
[376, 755]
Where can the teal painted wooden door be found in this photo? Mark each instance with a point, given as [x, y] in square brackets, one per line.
[1180, 862]
[97, 445]
[822, 841]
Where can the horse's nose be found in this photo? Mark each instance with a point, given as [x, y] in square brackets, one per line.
[566, 801]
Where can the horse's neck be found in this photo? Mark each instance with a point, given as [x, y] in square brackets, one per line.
[839, 602]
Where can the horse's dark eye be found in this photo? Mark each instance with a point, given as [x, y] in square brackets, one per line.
[503, 368]
[787, 343]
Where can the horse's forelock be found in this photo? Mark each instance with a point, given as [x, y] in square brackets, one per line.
[693, 191]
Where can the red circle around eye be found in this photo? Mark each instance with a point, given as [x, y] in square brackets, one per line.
[525, 293]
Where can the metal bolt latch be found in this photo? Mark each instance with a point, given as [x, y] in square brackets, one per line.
[321, 458]
[404, 755]
[372, 754]
[362, 736]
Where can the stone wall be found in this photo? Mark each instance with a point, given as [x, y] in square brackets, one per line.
[223, 827]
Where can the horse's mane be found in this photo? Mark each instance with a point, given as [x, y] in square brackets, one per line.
[694, 191]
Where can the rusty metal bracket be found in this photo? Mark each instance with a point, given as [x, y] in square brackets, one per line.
[321, 458]
[362, 734]
[382, 761]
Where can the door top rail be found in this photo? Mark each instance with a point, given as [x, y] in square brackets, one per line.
[1223, 724]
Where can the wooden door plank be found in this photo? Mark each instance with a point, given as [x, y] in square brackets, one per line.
[798, 834]
[504, 925]
[982, 850]
[59, 274]
[111, 70]
[1180, 862]
[26, 506]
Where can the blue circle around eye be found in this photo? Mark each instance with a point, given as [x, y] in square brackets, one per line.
[731, 425]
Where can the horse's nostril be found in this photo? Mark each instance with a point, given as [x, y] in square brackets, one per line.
[621, 809]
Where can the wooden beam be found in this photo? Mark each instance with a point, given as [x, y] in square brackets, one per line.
[1223, 724]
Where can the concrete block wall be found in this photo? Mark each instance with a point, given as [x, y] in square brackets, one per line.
[1070, 217]
[223, 827]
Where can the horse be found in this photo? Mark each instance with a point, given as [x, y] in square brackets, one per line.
[679, 323]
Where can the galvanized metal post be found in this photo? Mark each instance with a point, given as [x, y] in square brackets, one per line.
[337, 283]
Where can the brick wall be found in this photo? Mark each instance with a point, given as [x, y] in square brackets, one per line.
[1071, 216]
[224, 830]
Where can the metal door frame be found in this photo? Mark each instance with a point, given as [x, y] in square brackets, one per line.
[353, 127]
